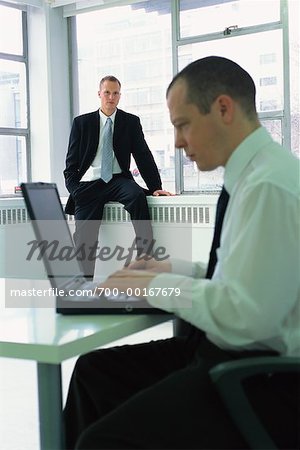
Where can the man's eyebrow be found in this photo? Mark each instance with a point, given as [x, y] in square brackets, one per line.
[179, 119]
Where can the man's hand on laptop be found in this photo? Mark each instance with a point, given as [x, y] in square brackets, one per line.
[125, 281]
[137, 276]
[151, 265]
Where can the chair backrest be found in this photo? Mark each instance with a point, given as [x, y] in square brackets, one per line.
[228, 378]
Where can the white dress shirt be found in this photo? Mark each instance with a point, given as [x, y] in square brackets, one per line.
[253, 299]
[94, 171]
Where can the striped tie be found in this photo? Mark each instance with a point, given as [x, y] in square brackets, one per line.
[107, 151]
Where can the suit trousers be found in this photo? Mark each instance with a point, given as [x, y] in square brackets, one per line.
[158, 395]
[90, 199]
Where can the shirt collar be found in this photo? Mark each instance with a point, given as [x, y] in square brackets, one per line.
[103, 117]
[243, 154]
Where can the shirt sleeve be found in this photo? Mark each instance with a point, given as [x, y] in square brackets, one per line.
[255, 282]
[195, 270]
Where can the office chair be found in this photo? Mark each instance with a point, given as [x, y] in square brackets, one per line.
[229, 377]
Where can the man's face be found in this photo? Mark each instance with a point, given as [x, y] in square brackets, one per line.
[199, 135]
[109, 96]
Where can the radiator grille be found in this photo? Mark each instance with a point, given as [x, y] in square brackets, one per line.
[162, 214]
[115, 212]
[13, 215]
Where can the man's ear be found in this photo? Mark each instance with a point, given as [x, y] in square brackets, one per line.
[225, 106]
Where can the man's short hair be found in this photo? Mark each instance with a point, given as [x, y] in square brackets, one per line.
[209, 77]
[109, 78]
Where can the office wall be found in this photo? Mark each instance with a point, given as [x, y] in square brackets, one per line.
[49, 93]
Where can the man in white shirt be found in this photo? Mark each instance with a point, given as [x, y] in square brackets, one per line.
[249, 307]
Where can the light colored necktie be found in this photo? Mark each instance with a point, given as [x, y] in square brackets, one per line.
[107, 151]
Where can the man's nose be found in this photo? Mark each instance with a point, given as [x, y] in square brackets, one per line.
[179, 141]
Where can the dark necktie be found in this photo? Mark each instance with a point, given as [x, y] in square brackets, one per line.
[182, 328]
[220, 213]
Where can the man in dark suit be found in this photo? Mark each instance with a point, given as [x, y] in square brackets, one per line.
[86, 160]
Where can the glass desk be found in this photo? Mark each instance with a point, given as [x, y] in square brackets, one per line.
[48, 338]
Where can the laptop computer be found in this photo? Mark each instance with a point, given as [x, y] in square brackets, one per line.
[64, 272]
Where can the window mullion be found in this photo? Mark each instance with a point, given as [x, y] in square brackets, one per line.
[25, 53]
[237, 32]
[13, 137]
[11, 57]
[14, 131]
[286, 132]
[175, 40]
[271, 115]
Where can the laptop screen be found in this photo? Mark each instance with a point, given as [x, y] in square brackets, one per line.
[54, 242]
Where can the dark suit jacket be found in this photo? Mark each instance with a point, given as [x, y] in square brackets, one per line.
[128, 139]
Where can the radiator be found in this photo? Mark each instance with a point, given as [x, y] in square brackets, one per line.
[167, 210]
[182, 223]
[179, 209]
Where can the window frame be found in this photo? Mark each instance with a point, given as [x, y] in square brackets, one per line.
[23, 58]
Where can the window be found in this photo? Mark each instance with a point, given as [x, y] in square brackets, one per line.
[267, 81]
[294, 85]
[274, 127]
[14, 129]
[269, 58]
[257, 38]
[138, 44]
[234, 48]
[217, 15]
[134, 44]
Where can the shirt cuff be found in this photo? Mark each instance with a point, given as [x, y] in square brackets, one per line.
[171, 292]
[189, 269]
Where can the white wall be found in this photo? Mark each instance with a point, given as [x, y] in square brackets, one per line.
[49, 93]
